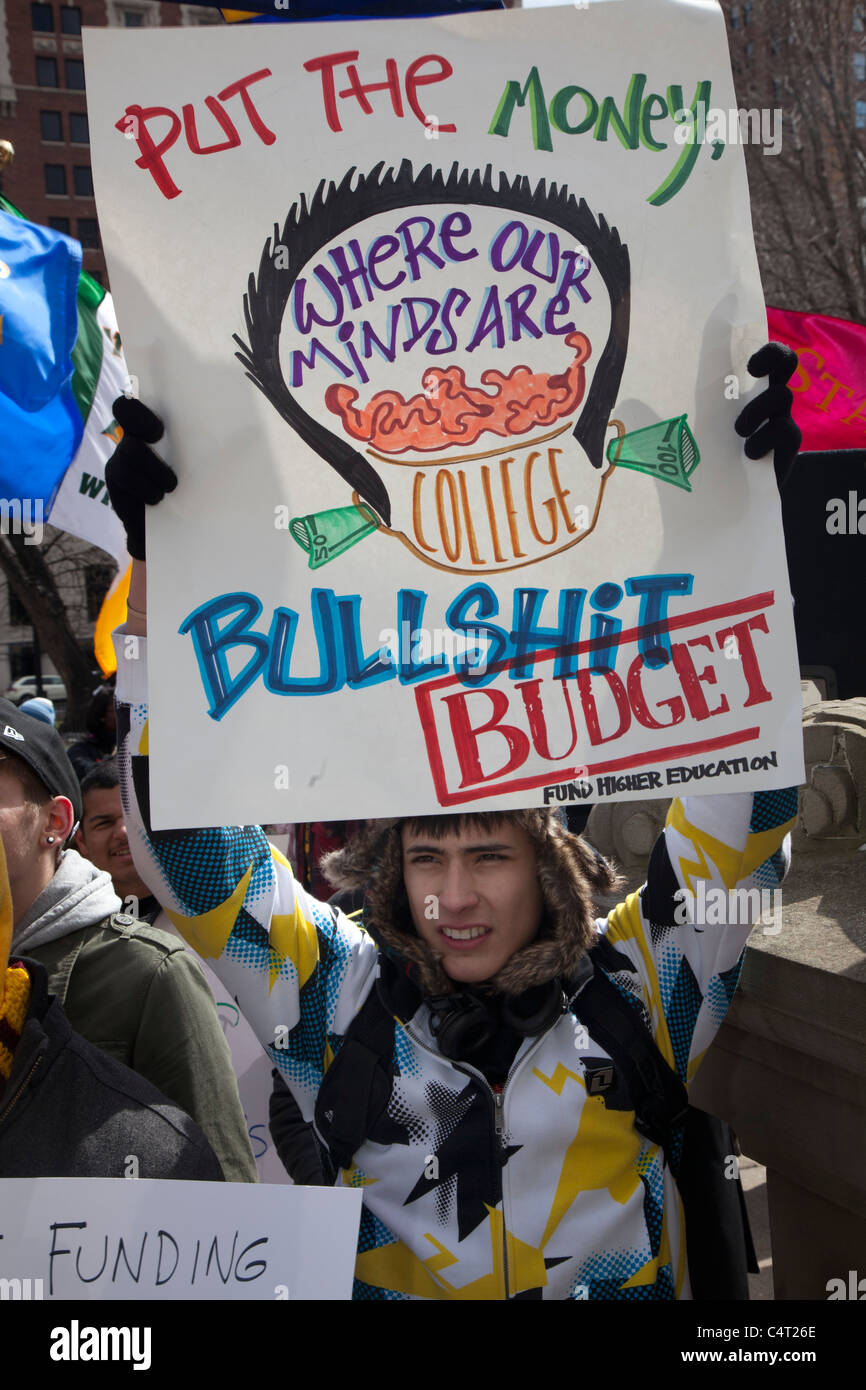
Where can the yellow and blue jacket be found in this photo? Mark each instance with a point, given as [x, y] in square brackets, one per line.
[536, 1188]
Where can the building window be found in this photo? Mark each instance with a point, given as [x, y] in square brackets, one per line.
[88, 232]
[860, 115]
[46, 72]
[18, 615]
[860, 67]
[42, 19]
[52, 125]
[75, 74]
[22, 658]
[859, 20]
[735, 16]
[70, 19]
[132, 19]
[82, 180]
[97, 581]
[79, 130]
[747, 12]
[55, 178]
[59, 224]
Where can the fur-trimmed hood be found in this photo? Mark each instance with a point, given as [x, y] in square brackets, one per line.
[569, 873]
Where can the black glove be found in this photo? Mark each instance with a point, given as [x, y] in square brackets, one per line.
[135, 476]
[766, 423]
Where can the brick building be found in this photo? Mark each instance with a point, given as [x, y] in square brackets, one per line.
[43, 106]
[43, 112]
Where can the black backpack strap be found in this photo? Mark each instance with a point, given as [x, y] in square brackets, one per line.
[357, 1085]
[295, 1140]
[659, 1097]
[605, 954]
[719, 1243]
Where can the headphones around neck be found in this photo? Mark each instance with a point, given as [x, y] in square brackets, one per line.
[464, 1023]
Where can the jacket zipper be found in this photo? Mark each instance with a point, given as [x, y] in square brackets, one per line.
[499, 1110]
[497, 1096]
[499, 1106]
[499, 1127]
[13, 1102]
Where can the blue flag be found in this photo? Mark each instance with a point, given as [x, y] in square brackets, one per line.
[39, 272]
[40, 424]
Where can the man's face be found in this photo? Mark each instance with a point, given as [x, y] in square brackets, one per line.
[102, 840]
[474, 896]
[20, 824]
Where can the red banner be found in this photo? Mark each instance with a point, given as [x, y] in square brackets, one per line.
[830, 384]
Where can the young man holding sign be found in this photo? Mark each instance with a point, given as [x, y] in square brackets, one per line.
[479, 1058]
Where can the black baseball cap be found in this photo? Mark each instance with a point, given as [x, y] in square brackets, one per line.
[41, 748]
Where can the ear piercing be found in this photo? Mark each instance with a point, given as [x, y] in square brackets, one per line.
[50, 839]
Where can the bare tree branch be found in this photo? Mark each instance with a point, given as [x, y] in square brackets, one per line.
[809, 201]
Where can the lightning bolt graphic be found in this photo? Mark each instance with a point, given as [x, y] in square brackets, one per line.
[699, 867]
[557, 1081]
[443, 1259]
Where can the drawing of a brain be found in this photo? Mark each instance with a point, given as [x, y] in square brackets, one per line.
[452, 347]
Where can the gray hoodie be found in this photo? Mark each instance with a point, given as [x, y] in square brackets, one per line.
[137, 994]
[79, 895]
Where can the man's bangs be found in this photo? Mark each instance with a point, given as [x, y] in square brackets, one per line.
[437, 827]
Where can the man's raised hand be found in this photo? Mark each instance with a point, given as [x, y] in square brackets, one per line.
[135, 476]
[766, 423]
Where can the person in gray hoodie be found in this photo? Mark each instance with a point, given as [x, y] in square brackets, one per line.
[67, 1110]
[129, 989]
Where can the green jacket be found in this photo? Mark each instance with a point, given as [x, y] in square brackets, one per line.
[135, 992]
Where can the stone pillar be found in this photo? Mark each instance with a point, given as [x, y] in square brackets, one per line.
[788, 1067]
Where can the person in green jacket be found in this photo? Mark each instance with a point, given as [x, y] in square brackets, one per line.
[128, 988]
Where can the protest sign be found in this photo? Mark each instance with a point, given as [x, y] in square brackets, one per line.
[252, 1067]
[117, 1238]
[830, 383]
[448, 323]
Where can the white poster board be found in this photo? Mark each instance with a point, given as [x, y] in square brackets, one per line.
[448, 323]
[124, 1238]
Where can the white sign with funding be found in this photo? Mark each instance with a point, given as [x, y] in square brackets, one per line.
[127, 1238]
[447, 321]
